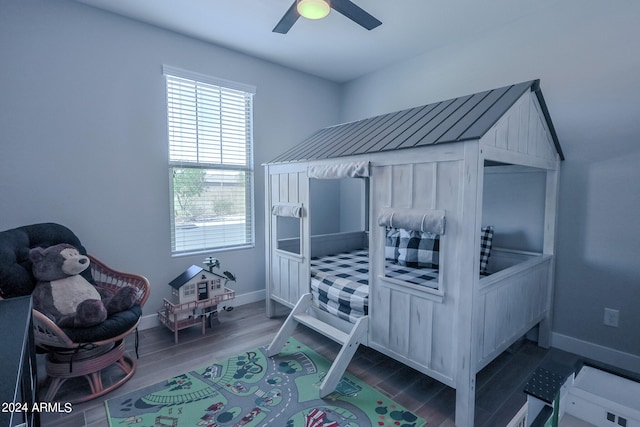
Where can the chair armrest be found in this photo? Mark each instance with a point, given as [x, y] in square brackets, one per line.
[114, 280]
[48, 334]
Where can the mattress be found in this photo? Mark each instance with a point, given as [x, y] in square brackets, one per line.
[340, 283]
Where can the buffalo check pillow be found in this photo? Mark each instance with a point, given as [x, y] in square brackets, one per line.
[419, 249]
[486, 237]
[391, 245]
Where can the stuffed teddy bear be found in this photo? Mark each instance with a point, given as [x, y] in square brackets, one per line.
[66, 297]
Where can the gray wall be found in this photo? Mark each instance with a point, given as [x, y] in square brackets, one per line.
[83, 131]
[352, 204]
[325, 196]
[337, 205]
[514, 204]
[584, 52]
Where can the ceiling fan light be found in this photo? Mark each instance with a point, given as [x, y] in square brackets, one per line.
[313, 9]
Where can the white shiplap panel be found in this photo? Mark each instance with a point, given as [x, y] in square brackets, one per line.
[281, 285]
[489, 139]
[512, 306]
[403, 321]
[424, 183]
[382, 189]
[546, 147]
[514, 127]
[379, 294]
[448, 187]
[288, 279]
[303, 273]
[551, 148]
[543, 286]
[274, 191]
[283, 188]
[531, 294]
[400, 321]
[502, 133]
[533, 131]
[402, 192]
[379, 316]
[517, 302]
[420, 332]
[521, 136]
[524, 124]
[503, 315]
[294, 273]
[293, 184]
[540, 140]
[489, 323]
[443, 330]
[274, 279]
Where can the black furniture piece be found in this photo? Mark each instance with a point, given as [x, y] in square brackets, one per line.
[18, 374]
[73, 352]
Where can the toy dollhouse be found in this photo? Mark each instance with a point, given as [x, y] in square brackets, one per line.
[195, 295]
[196, 284]
[588, 396]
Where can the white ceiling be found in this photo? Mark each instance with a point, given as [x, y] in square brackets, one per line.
[334, 48]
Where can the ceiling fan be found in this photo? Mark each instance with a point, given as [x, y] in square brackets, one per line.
[320, 8]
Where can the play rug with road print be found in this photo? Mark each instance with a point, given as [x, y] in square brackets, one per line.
[253, 390]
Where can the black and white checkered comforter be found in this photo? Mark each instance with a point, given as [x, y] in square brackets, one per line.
[340, 283]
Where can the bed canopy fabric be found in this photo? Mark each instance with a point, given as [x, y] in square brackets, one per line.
[340, 170]
[285, 209]
[432, 221]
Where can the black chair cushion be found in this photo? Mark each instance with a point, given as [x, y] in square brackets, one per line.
[115, 325]
[16, 278]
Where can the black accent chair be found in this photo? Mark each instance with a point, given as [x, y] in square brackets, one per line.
[73, 352]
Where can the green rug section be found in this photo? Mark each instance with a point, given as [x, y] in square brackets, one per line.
[253, 390]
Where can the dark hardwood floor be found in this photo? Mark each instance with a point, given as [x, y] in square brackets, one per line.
[499, 386]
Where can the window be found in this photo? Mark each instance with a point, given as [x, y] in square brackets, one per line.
[189, 289]
[288, 227]
[412, 248]
[412, 256]
[210, 129]
[288, 232]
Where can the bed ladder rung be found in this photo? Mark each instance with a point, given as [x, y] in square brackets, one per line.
[321, 327]
[348, 341]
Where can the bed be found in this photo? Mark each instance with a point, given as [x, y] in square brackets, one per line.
[340, 282]
[432, 170]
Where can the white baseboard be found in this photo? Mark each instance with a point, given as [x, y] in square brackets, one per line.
[151, 320]
[619, 359]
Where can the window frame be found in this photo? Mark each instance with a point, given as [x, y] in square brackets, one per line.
[245, 166]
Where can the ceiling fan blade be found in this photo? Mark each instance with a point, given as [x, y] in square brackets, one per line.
[287, 21]
[355, 13]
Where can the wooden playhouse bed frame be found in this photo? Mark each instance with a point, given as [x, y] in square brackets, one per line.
[426, 159]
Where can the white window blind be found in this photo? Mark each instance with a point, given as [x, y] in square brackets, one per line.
[210, 162]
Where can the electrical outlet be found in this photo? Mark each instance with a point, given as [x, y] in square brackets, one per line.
[611, 317]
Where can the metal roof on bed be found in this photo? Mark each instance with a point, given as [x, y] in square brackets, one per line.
[459, 119]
